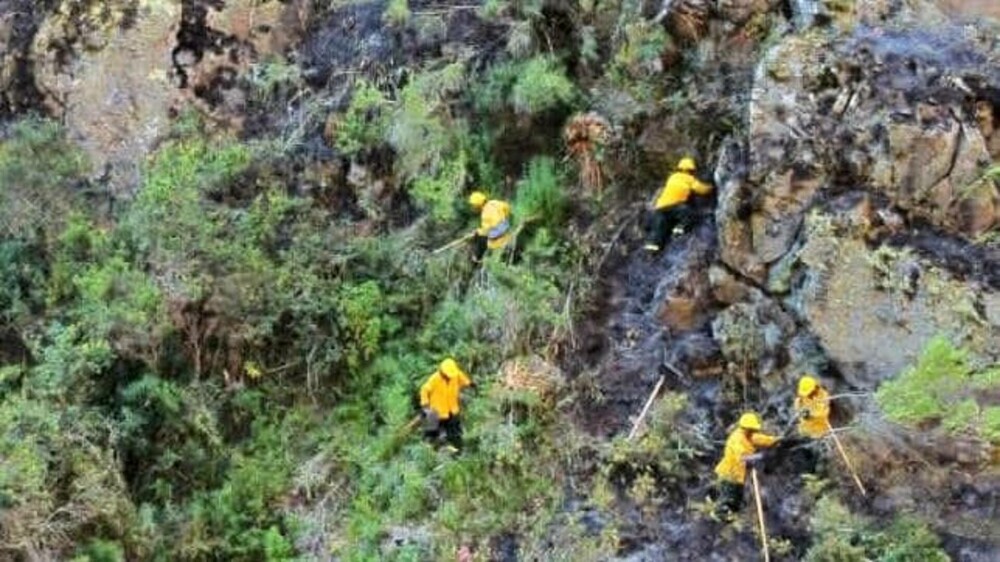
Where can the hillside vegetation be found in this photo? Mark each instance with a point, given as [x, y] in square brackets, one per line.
[219, 359]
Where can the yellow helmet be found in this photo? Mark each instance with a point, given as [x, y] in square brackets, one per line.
[477, 199]
[686, 165]
[450, 368]
[807, 385]
[750, 420]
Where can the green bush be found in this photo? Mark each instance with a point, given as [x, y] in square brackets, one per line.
[639, 54]
[840, 536]
[22, 279]
[421, 128]
[540, 193]
[943, 387]
[363, 320]
[98, 550]
[362, 125]
[541, 85]
[528, 87]
[438, 193]
[38, 170]
[397, 13]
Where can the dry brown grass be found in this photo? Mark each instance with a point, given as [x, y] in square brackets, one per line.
[533, 374]
[585, 135]
[689, 20]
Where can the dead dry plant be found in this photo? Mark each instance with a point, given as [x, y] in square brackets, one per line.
[585, 136]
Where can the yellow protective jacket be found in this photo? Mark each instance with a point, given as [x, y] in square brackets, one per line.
[494, 223]
[740, 444]
[441, 395]
[678, 188]
[818, 406]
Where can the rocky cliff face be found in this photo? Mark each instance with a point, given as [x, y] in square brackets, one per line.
[858, 141]
[118, 72]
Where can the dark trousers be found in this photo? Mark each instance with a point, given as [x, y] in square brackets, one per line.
[480, 244]
[478, 248]
[661, 222]
[730, 498]
[450, 429]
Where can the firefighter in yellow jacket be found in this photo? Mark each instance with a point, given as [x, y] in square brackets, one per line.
[812, 404]
[494, 230]
[732, 469]
[439, 399]
[670, 210]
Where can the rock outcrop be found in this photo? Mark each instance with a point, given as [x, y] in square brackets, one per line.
[117, 72]
[104, 68]
[858, 141]
[889, 112]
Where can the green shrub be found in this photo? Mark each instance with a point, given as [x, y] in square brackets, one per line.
[942, 387]
[421, 128]
[438, 193]
[98, 550]
[171, 219]
[907, 540]
[397, 13]
[362, 125]
[270, 78]
[363, 320]
[38, 170]
[531, 86]
[541, 85]
[22, 279]
[841, 536]
[636, 64]
[540, 194]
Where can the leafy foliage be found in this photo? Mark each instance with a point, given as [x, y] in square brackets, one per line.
[531, 86]
[38, 172]
[540, 194]
[542, 84]
[845, 537]
[363, 124]
[397, 13]
[943, 387]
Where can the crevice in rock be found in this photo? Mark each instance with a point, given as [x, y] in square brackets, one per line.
[19, 94]
[963, 259]
[959, 143]
[195, 38]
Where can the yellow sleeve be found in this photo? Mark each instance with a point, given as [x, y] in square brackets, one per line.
[823, 404]
[506, 209]
[463, 380]
[763, 439]
[699, 187]
[662, 193]
[426, 390]
[483, 229]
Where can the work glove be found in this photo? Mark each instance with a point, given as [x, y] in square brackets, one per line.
[677, 231]
[753, 460]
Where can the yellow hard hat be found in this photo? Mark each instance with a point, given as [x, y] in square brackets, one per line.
[686, 165]
[450, 368]
[750, 420]
[477, 199]
[807, 385]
